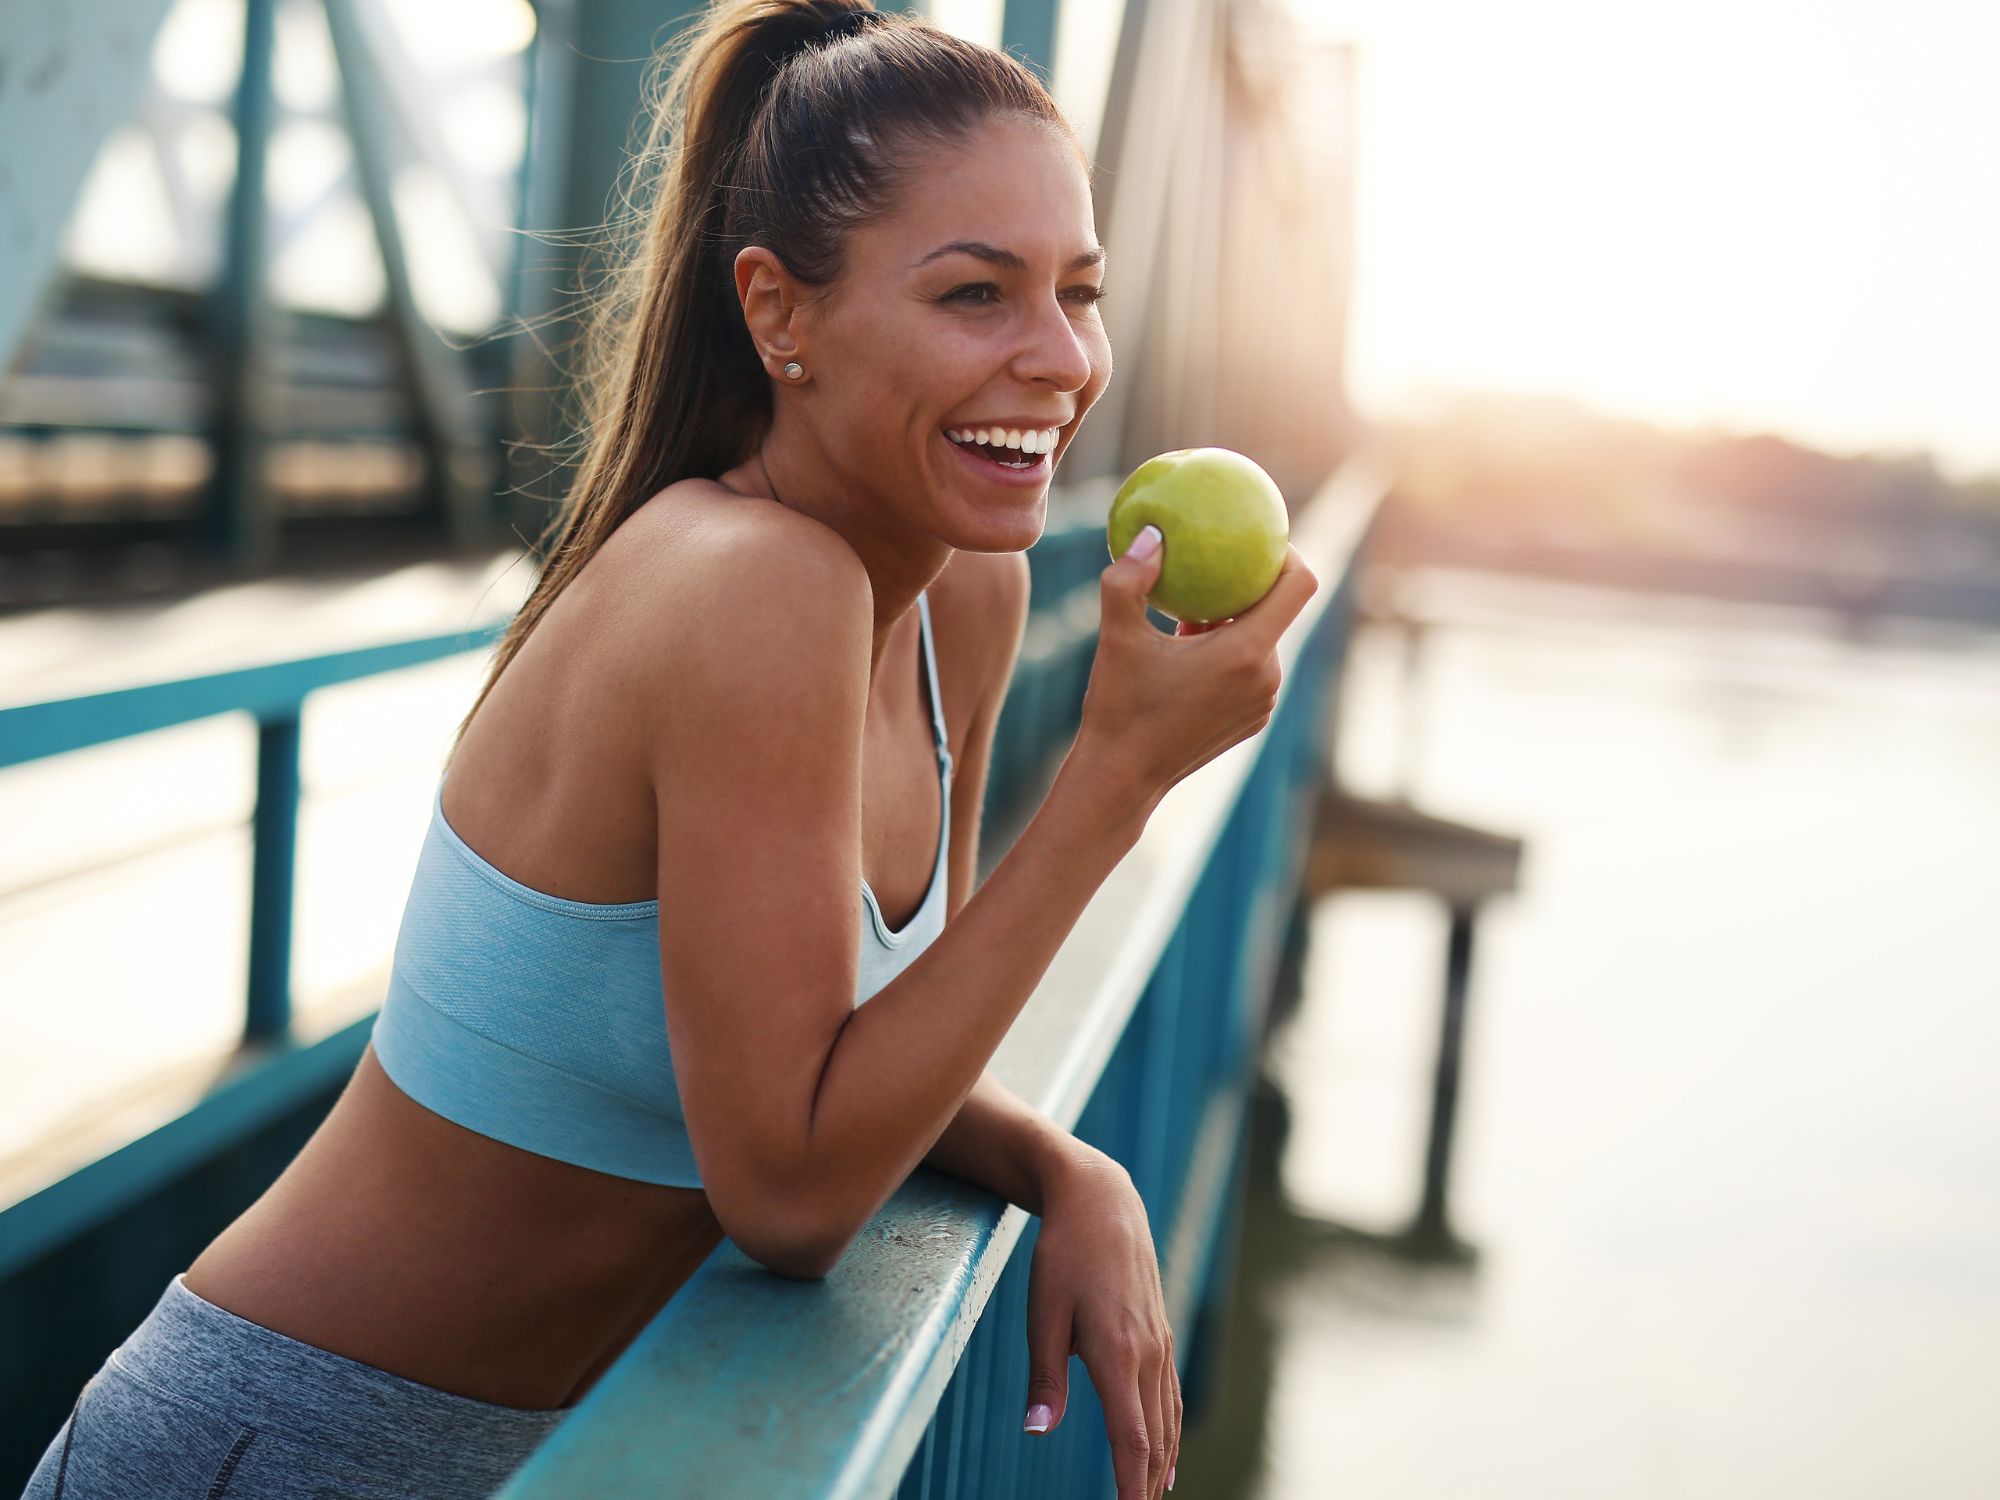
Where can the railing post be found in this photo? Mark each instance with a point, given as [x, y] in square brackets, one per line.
[1431, 1235]
[237, 515]
[274, 845]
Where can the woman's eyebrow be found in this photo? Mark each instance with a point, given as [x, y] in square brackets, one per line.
[1006, 259]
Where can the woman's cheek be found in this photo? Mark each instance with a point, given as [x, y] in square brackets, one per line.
[1100, 362]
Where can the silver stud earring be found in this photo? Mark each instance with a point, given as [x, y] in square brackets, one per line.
[795, 369]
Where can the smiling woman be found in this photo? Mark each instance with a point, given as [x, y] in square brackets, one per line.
[692, 947]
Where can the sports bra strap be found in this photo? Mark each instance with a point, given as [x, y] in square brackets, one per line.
[930, 672]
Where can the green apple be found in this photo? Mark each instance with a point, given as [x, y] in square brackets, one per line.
[1225, 527]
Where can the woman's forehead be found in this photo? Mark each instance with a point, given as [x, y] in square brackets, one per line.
[1019, 192]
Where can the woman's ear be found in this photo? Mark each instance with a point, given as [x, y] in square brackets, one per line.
[772, 308]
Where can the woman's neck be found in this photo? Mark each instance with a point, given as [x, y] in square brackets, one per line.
[901, 564]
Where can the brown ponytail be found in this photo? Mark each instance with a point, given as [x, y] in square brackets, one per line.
[773, 122]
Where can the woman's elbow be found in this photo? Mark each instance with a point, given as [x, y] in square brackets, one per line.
[799, 1261]
[796, 1239]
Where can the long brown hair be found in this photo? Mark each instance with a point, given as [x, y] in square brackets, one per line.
[776, 123]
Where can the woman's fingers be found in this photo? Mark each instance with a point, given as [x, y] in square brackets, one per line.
[1157, 1433]
[1125, 1425]
[1049, 1326]
[1170, 1407]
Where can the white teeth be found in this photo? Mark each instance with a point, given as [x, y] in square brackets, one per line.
[1032, 440]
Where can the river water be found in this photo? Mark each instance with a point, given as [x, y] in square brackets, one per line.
[1730, 1132]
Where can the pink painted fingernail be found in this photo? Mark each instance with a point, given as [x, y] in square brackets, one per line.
[1170, 1476]
[1039, 1418]
[1147, 542]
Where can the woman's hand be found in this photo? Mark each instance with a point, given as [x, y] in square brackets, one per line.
[1158, 706]
[1094, 1290]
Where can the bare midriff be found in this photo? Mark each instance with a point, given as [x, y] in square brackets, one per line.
[410, 1243]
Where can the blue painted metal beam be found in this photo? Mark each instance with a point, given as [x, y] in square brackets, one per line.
[236, 518]
[30, 731]
[273, 864]
[237, 1110]
[71, 72]
[932, 1256]
[586, 81]
[1028, 30]
[461, 469]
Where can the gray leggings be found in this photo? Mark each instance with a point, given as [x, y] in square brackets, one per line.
[199, 1404]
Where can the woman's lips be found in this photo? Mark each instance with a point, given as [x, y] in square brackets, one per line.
[998, 473]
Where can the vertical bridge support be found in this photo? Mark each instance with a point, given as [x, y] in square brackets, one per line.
[69, 71]
[1363, 845]
[273, 861]
[236, 521]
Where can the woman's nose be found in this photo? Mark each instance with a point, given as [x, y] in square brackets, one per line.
[1055, 351]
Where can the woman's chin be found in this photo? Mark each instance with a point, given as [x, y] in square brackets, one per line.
[1011, 526]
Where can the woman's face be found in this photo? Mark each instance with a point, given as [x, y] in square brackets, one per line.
[970, 307]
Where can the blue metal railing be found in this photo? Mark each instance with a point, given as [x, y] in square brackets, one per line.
[274, 693]
[1170, 1105]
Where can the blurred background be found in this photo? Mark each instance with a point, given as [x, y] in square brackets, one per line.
[1625, 1123]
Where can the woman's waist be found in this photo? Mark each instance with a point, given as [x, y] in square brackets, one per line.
[402, 1242]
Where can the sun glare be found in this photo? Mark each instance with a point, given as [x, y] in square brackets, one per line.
[1752, 215]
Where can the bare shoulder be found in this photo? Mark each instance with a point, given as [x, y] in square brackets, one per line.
[699, 555]
[698, 544]
[720, 592]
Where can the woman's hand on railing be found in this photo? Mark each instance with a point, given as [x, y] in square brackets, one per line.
[1094, 1290]
[1160, 706]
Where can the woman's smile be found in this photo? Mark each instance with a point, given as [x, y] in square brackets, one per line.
[986, 453]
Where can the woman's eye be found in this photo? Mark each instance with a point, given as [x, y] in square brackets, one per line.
[980, 293]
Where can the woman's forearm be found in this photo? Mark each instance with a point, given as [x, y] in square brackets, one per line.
[998, 1141]
[905, 1063]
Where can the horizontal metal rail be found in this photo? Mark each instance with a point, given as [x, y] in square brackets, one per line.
[269, 690]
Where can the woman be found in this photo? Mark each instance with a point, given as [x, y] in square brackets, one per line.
[625, 1015]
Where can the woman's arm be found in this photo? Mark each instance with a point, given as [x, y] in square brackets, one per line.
[805, 1112]
[999, 1142]
[750, 662]
[900, 1067]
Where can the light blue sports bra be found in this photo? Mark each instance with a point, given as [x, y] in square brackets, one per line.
[541, 1021]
